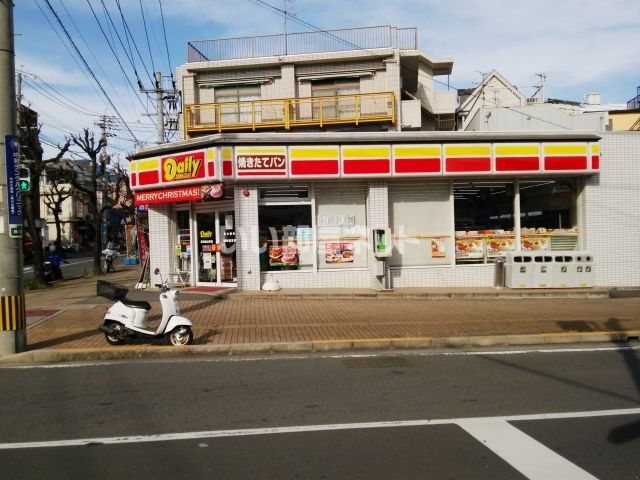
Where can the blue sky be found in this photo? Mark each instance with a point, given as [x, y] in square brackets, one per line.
[581, 45]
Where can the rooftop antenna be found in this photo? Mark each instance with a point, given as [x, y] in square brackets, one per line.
[540, 88]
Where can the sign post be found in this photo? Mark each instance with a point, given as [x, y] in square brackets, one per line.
[12, 151]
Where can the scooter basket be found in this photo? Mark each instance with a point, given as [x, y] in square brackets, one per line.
[109, 290]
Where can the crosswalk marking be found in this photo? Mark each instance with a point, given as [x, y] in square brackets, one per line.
[525, 454]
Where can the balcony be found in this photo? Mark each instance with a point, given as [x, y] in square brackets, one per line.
[290, 113]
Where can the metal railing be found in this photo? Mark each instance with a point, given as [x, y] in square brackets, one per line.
[290, 113]
[365, 38]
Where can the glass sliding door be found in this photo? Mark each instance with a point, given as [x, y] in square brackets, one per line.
[216, 247]
[206, 244]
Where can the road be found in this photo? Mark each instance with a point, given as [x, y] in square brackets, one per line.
[555, 413]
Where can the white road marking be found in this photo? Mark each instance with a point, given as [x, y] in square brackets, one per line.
[166, 437]
[525, 454]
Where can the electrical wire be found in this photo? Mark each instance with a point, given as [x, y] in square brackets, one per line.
[164, 31]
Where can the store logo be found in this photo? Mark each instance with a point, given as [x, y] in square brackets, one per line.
[183, 167]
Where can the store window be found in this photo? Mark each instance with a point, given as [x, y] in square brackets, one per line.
[285, 228]
[341, 223]
[183, 250]
[484, 223]
[548, 214]
[421, 221]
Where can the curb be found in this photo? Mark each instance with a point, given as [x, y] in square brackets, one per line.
[321, 346]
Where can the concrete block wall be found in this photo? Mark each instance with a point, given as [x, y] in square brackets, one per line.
[611, 211]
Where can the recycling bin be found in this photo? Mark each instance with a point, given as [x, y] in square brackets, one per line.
[583, 269]
[543, 271]
[518, 268]
[563, 270]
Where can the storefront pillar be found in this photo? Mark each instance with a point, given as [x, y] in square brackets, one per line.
[247, 239]
[160, 241]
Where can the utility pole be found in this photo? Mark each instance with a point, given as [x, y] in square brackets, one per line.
[13, 332]
[162, 94]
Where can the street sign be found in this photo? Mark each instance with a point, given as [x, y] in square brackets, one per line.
[12, 162]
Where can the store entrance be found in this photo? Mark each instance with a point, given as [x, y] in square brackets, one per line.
[215, 248]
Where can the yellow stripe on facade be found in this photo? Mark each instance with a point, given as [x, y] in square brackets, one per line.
[467, 150]
[565, 149]
[417, 152]
[301, 153]
[261, 150]
[211, 153]
[133, 166]
[366, 152]
[595, 148]
[227, 153]
[148, 164]
[506, 150]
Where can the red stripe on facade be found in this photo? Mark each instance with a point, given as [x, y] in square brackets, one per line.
[227, 168]
[595, 162]
[360, 167]
[260, 174]
[517, 164]
[463, 164]
[314, 167]
[417, 165]
[149, 178]
[565, 163]
[134, 179]
[211, 169]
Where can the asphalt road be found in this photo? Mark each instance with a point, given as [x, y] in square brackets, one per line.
[560, 413]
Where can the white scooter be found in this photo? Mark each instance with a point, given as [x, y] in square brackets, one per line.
[127, 319]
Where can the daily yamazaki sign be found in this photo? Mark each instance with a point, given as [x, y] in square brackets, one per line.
[183, 167]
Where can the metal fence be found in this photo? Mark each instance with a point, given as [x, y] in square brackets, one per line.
[365, 38]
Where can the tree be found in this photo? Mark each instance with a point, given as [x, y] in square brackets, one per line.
[58, 191]
[103, 188]
[32, 156]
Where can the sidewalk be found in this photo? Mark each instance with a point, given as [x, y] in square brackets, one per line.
[62, 322]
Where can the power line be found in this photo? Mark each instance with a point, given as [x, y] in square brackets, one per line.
[87, 66]
[166, 45]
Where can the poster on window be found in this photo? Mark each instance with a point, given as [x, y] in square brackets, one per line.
[535, 243]
[283, 255]
[497, 245]
[438, 248]
[469, 247]
[338, 252]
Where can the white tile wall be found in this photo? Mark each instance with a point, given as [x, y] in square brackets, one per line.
[161, 242]
[247, 254]
[611, 211]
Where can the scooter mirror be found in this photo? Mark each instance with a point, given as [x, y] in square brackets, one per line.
[156, 271]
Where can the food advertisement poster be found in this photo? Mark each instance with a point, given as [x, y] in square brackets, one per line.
[283, 255]
[534, 243]
[497, 245]
[338, 252]
[470, 247]
[438, 248]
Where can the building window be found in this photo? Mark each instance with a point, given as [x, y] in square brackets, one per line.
[337, 100]
[341, 225]
[236, 104]
[420, 216]
[285, 229]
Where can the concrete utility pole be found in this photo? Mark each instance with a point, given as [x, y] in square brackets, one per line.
[13, 332]
[161, 94]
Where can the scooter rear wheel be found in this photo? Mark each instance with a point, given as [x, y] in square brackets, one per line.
[114, 334]
[180, 336]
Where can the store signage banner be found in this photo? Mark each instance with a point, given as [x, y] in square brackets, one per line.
[168, 195]
[183, 167]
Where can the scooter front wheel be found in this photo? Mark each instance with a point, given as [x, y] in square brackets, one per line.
[113, 334]
[180, 336]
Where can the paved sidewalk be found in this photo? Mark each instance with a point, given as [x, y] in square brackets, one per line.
[63, 321]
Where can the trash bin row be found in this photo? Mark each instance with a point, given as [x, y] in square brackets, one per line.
[552, 269]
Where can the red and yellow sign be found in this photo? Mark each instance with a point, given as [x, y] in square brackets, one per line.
[183, 167]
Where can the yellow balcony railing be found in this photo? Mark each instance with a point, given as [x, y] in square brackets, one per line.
[290, 113]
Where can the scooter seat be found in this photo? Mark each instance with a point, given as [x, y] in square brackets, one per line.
[136, 303]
